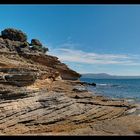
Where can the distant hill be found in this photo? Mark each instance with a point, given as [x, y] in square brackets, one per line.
[107, 76]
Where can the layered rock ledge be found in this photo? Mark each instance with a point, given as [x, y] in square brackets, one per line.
[38, 96]
[44, 109]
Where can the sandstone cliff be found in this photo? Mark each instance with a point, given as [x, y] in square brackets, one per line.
[17, 53]
[34, 98]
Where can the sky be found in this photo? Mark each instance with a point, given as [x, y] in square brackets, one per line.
[88, 38]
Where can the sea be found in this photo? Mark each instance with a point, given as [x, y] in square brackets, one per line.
[128, 89]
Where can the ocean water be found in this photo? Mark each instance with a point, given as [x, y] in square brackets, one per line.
[116, 88]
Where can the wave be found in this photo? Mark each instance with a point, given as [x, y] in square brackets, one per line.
[108, 85]
[101, 84]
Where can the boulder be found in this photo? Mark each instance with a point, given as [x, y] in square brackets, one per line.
[14, 34]
[86, 83]
[93, 84]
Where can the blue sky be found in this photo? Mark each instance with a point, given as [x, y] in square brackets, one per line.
[88, 38]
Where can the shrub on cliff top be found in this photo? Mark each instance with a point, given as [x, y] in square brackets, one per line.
[37, 45]
[35, 42]
[14, 34]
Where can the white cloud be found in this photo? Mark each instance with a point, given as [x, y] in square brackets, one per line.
[79, 56]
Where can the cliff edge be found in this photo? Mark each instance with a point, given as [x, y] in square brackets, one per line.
[17, 54]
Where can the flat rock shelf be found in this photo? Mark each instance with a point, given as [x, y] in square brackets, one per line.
[59, 112]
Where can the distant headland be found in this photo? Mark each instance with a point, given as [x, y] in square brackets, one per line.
[107, 76]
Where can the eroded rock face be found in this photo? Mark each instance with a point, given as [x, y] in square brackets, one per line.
[34, 98]
[23, 70]
[15, 41]
[53, 62]
[20, 79]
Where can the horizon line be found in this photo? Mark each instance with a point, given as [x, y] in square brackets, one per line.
[109, 74]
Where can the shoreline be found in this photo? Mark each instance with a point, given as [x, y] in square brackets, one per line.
[123, 123]
[131, 101]
[116, 89]
[59, 109]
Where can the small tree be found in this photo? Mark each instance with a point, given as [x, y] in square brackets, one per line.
[37, 45]
[14, 34]
[45, 49]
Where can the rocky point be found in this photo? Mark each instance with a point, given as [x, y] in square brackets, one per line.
[38, 95]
